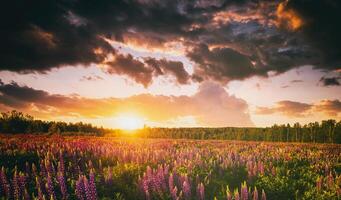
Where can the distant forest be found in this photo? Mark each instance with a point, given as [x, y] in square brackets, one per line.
[327, 131]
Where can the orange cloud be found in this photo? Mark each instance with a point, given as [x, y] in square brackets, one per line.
[287, 17]
[210, 106]
[330, 108]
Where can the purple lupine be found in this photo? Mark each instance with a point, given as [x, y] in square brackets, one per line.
[38, 187]
[61, 166]
[201, 191]
[49, 187]
[22, 183]
[263, 195]
[15, 185]
[80, 188]
[4, 183]
[92, 184]
[186, 188]
[26, 195]
[62, 184]
[87, 189]
[34, 170]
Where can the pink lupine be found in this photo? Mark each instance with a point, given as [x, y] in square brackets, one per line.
[255, 194]
[263, 195]
[236, 195]
[330, 181]
[201, 191]
[171, 182]
[186, 188]
[174, 192]
[244, 194]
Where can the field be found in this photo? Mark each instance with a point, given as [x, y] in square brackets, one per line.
[55, 167]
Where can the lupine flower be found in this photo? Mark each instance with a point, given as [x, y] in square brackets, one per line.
[201, 191]
[228, 193]
[255, 194]
[4, 183]
[174, 192]
[62, 185]
[263, 195]
[186, 188]
[87, 189]
[92, 184]
[38, 187]
[49, 187]
[15, 185]
[236, 195]
[244, 191]
[80, 188]
[171, 182]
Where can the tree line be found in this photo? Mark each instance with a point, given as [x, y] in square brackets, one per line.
[327, 131]
[15, 122]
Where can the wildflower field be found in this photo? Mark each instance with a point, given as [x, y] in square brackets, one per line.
[55, 167]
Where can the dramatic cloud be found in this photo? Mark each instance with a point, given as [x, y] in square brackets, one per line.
[226, 40]
[143, 71]
[221, 63]
[288, 108]
[210, 106]
[321, 28]
[332, 108]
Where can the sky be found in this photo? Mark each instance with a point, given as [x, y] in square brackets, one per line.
[210, 63]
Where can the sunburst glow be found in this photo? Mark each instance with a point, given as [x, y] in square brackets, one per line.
[129, 122]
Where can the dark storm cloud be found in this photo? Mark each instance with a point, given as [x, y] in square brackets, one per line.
[330, 81]
[321, 27]
[174, 68]
[221, 63]
[225, 39]
[18, 96]
[143, 71]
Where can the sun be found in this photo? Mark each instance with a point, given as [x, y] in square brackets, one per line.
[129, 122]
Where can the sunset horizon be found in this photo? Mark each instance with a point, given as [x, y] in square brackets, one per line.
[170, 100]
[172, 64]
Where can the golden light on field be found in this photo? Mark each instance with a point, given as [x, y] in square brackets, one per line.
[128, 122]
